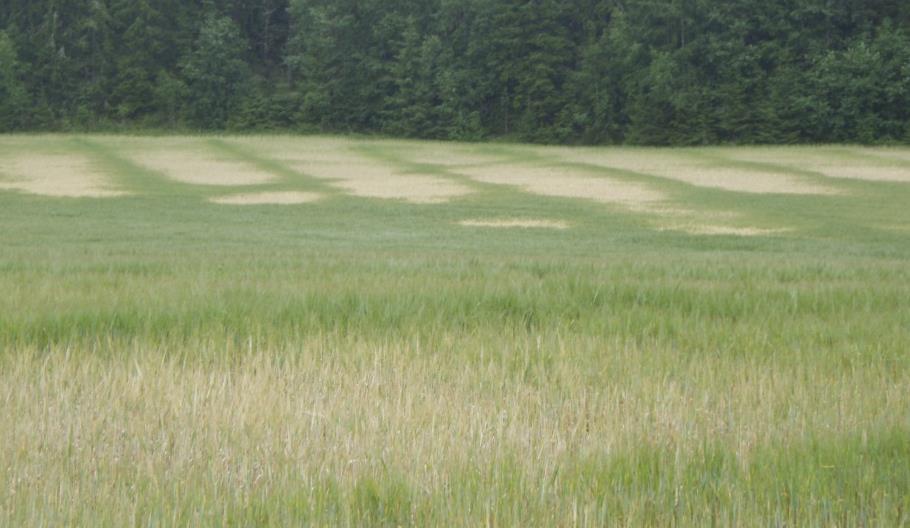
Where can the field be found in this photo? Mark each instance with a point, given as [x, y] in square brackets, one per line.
[236, 331]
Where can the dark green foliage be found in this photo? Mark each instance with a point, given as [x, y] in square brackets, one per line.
[572, 71]
[216, 73]
[13, 99]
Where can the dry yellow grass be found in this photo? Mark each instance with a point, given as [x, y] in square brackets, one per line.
[703, 222]
[679, 167]
[75, 429]
[522, 223]
[888, 169]
[302, 150]
[446, 155]
[566, 183]
[336, 161]
[709, 229]
[342, 151]
[56, 175]
[373, 179]
[902, 155]
[865, 172]
[198, 168]
[267, 198]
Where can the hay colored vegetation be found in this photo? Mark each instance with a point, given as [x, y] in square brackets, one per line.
[358, 361]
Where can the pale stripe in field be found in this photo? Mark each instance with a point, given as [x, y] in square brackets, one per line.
[339, 150]
[882, 174]
[298, 150]
[57, 175]
[696, 172]
[268, 198]
[446, 156]
[521, 223]
[565, 183]
[373, 179]
[900, 155]
[336, 161]
[891, 167]
[722, 230]
[202, 168]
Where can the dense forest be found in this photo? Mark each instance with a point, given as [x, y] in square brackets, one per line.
[567, 71]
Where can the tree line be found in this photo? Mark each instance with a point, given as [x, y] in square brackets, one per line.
[562, 71]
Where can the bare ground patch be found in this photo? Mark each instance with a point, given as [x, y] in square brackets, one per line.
[566, 183]
[369, 179]
[696, 172]
[58, 175]
[202, 168]
[268, 198]
[521, 223]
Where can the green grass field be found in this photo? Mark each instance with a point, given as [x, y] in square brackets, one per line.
[715, 336]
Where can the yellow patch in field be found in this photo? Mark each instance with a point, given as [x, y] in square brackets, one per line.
[565, 183]
[373, 179]
[868, 173]
[341, 151]
[202, 168]
[446, 155]
[891, 166]
[268, 198]
[337, 161]
[897, 154]
[296, 151]
[522, 223]
[58, 175]
[707, 173]
[723, 230]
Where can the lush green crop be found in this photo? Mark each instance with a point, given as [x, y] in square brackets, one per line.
[361, 361]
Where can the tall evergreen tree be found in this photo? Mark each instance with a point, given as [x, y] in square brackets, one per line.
[592, 71]
[216, 73]
[13, 98]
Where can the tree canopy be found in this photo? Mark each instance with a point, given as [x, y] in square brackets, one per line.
[564, 71]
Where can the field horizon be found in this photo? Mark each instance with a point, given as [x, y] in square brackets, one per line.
[326, 330]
